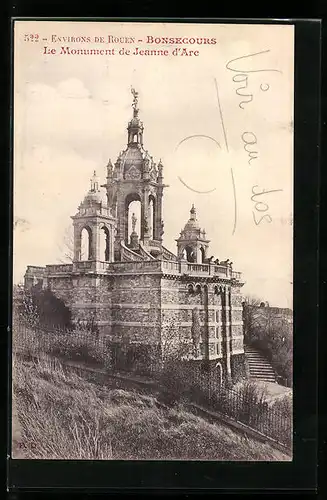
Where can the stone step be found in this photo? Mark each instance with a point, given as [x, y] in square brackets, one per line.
[259, 367]
[261, 364]
[265, 367]
[261, 374]
[259, 361]
[255, 356]
[265, 379]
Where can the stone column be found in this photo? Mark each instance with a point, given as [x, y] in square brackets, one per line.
[158, 215]
[198, 255]
[121, 217]
[145, 235]
[112, 244]
[77, 243]
[183, 266]
[95, 242]
[226, 331]
[206, 322]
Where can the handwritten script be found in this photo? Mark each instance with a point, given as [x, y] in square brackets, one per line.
[243, 76]
[244, 69]
[249, 138]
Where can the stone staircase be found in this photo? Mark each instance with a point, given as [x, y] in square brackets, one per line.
[258, 366]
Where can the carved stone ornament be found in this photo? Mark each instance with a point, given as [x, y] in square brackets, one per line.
[133, 173]
[145, 224]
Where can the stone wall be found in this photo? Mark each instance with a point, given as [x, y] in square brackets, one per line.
[216, 320]
[62, 287]
[136, 308]
[238, 367]
[87, 295]
[149, 308]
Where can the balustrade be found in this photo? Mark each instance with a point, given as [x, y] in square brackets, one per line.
[59, 268]
[170, 266]
[221, 270]
[198, 268]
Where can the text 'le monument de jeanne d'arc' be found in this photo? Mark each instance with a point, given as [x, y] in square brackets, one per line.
[134, 288]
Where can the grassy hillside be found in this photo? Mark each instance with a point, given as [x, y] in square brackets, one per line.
[62, 416]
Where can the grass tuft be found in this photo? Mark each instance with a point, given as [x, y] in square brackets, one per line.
[62, 416]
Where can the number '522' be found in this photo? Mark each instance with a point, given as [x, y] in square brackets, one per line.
[31, 38]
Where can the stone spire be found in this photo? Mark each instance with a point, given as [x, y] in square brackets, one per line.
[94, 182]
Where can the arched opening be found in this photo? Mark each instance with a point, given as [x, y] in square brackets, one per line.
[189, 254]
[190, 289]
[135, 138]
[203, 254]
[132, 216]
[152, 215]
[104, 251]
[198, 288]
[86, 243]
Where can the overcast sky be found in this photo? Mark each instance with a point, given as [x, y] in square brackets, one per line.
[71, 114]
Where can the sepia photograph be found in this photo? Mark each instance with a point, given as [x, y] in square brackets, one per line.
[152, 310]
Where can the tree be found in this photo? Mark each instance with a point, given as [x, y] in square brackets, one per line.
[24, 306]
[251, 316]
[268, 329]
[66, 248]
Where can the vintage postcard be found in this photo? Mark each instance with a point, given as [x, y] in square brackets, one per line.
[152, 241]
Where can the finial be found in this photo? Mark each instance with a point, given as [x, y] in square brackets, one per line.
[135, 102]
[193, 212]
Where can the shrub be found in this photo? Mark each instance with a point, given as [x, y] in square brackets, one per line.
[253, 402]
[79, 346]
[173, 381]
